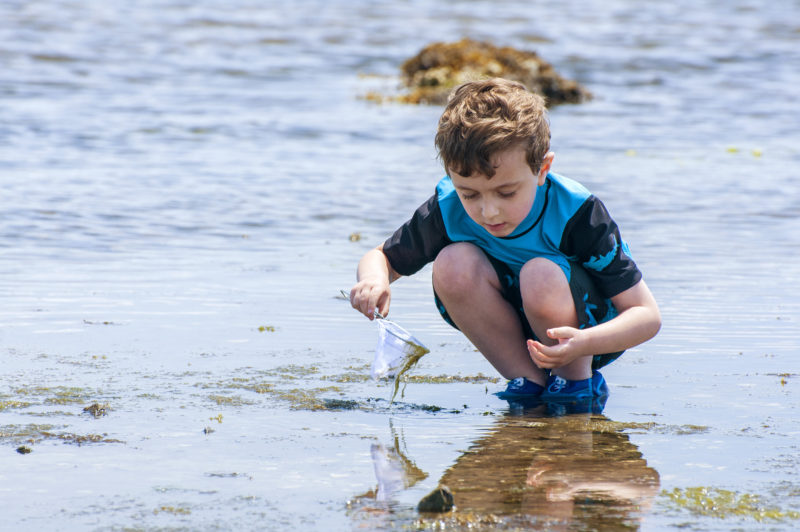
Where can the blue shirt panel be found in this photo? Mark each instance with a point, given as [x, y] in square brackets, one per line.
[538, 235]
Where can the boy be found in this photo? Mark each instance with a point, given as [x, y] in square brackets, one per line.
[526, 263]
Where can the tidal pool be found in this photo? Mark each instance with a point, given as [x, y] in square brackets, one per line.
[187, 186]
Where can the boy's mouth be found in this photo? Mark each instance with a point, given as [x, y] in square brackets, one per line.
[496, 228]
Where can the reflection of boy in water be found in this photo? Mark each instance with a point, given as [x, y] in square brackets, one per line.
[571, 470]
[518, 252]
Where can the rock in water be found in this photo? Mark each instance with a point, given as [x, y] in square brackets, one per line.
[438, 68]
[439, 500]
[97, 410]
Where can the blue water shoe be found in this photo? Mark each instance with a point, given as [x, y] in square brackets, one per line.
[562, 390]
[520, 388]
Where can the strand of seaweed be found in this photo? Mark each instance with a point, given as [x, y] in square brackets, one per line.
[411, 360]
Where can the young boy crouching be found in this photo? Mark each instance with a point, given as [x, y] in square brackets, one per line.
[528, 264]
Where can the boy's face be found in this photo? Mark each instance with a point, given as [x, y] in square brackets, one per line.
[501, 203]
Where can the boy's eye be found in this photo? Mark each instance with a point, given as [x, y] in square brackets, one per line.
[507, 194]
[469, 196]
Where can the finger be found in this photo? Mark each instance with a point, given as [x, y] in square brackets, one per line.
[539, 358]
[561, 333]
[365, 307]
[374, 298]
[383, 305]
[356, 301]
[543, 358]
[533, 347]
[544, 363]
[540, 348]
[546, 356]
[350, 295]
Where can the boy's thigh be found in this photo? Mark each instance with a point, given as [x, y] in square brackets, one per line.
[590, 305]
[508, 281]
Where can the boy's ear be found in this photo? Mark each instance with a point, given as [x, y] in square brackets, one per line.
[547, 162]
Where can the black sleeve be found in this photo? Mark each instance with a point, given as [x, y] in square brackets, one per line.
[419, 240]
[593, 239]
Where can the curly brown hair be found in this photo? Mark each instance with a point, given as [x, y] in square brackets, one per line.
[485, 117]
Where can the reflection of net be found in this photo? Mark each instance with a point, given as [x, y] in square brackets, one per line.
[395, 347]
[393, 471]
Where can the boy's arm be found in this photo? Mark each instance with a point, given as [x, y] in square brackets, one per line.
[414, 244]
[638, 320]
[371, 290]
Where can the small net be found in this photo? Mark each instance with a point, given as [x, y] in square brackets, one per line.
[396, 352]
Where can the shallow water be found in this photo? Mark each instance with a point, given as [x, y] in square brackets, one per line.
[186, 186]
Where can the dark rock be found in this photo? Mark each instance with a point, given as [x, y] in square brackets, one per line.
[439, 500]
[438, 68]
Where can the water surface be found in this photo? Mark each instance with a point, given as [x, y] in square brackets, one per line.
[186, 186]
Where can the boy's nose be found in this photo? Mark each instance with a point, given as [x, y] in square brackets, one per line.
[489, 209]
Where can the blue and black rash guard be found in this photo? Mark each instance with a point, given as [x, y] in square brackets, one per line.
[566, 224]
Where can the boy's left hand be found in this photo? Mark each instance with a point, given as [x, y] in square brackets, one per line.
[565, 351]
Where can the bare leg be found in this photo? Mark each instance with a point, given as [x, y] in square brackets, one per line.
[548, 303]
[468, 286]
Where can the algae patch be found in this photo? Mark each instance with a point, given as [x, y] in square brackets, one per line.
[308, 387]
[229, 400]
[449, 379]
[307, 399]
[340, 404]
[81, 439]
[59, 395]
[605, 425]
[468, 521]
[33, 433]
[348, 377]
[175, 510]
[725, 504]
[11, 403]
[293, 371]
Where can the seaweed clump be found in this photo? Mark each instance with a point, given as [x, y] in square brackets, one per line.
[415, 352]
[431, 75]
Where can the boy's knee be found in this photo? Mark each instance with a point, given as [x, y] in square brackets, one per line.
[543, 282]
[541, 273]
[457, 268]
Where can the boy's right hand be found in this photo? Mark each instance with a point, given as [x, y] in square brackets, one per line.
[371, 294]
